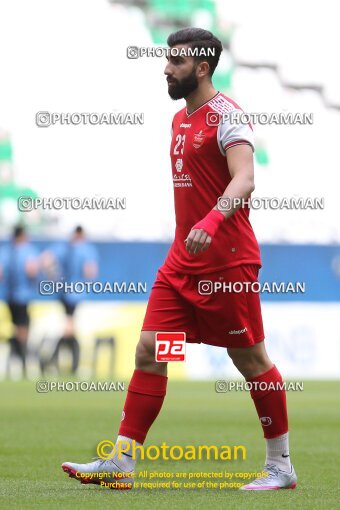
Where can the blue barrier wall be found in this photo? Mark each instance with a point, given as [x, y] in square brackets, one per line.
[139, 261]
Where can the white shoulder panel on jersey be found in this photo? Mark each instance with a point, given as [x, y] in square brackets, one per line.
[230, 131]
[221, 105]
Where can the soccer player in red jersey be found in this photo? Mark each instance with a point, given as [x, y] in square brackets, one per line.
[212, 157]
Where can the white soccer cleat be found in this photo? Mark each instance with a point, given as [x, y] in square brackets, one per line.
[100, 472]
[275, 480]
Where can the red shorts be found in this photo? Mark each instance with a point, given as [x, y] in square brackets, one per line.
[207, 312]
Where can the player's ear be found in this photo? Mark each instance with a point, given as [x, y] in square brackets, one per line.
[203, 69]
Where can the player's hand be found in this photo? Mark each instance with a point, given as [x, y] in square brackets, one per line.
[197, 241]
[202, 233]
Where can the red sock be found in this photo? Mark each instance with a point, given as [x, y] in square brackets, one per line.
[144, 400]
[271, 405]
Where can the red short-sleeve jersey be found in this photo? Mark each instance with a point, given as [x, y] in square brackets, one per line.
[200, 175]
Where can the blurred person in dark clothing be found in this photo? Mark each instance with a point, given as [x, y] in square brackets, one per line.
[18, 271]
[69, 263]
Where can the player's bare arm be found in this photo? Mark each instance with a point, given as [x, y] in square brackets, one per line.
[241, 169]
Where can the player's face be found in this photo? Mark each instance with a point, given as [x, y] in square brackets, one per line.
[181, 75]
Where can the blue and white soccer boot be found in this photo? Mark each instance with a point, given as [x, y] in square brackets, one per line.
[276, 479]
[100, 472]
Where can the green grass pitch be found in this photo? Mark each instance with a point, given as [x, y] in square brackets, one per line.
[40, 431]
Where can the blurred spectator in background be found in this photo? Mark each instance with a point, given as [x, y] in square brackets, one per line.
[18, 270]
[69, 263]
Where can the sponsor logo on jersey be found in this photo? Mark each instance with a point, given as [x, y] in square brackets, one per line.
[182, 181]
[237, 331]
[179, 164]
[183, 125]
[198, 139]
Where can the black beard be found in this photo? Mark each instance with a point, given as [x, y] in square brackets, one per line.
[181, 89]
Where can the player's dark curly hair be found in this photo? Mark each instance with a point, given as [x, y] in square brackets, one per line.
[198, 38]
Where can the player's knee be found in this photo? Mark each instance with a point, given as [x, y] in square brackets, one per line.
[145, 351]
[240, 362]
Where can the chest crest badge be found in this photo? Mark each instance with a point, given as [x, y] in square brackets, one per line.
[198, 139]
